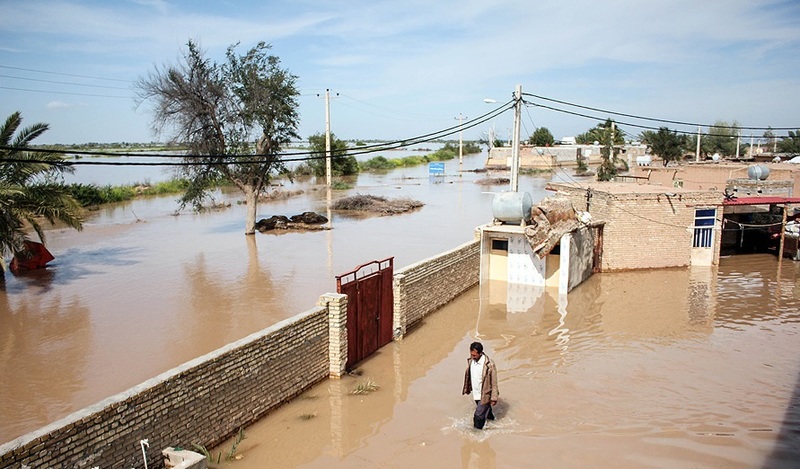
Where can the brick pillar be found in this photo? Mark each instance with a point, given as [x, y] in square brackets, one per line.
[337, 332]
[399, 319]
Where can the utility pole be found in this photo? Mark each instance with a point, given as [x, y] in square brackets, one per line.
[460, 139]
[515, 140]
[697, 152]
[328, 137]
[738, 139]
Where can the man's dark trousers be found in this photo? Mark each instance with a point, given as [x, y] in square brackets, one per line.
[482, 412]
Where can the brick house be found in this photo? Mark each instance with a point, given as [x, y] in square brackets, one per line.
[648, 226]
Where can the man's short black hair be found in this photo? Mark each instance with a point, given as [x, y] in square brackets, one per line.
[476, 346]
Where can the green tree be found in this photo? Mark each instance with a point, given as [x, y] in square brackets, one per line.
[541, 137]
[772, 141]
[665, 143]
[235, 117]
[600, 133]
[341, 163]
[721, 138]
[790, 144]
[29, 192]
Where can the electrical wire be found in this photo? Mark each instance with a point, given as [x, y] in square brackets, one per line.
[603, 119]
[63, 92]
[248, 158]
[654, 119]
[63, 74]
[65, 83]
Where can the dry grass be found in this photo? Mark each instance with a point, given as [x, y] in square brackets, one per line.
[376, 204]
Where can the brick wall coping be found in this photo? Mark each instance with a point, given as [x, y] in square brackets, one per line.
[425, 261]
[121, 397]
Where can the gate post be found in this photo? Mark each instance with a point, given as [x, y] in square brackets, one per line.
[336, 305]
[399, 314]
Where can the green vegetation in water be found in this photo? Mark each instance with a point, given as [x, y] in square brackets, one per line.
[340, 186]
[91, 194]
[365, 387]
[116, 147]
[204, 451]
[239, 438]
[448, 152]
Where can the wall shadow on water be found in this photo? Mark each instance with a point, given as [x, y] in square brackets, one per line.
[786, 453]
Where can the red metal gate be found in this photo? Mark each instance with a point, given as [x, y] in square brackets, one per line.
[370, 306]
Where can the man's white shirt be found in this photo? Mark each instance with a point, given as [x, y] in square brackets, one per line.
[476, 376]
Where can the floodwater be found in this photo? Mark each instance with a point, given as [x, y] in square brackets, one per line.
[141, 290]
[659, 369]
[668, 368]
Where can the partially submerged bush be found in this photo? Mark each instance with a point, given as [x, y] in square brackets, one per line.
[376, 204]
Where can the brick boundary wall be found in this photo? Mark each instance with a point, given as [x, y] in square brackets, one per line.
[424, 287]
[204, 401]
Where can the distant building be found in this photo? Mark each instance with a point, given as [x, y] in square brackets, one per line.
[543, 158]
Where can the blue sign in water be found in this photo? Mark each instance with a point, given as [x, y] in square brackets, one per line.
[436, 168]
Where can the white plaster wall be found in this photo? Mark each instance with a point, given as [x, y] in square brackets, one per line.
[524, 267]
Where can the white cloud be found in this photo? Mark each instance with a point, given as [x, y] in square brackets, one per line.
[63, 105]
[57, 105]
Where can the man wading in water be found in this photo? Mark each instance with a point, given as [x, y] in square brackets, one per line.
[481, 380]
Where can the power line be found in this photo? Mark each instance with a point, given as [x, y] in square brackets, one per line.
[654, 119]
[65, 83]
[247, 158]
[601, 119]
[63, 92]
[64, 74]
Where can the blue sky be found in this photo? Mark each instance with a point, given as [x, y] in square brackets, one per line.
[406, 68]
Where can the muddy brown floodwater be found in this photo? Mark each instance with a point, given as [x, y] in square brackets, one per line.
[669, 368]
[140, 291]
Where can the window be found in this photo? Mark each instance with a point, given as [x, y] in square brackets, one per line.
[499, 244]
[704, 220]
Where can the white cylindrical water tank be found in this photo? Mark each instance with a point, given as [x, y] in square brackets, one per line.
[758, 172]
[512, 207]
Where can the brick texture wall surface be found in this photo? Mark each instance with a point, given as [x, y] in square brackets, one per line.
[426, 286]
[644, 230]
[203, 401]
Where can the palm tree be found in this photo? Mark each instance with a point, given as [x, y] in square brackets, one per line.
[29, 192]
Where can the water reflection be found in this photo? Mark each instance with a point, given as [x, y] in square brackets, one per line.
[476, 454]
[43, 350]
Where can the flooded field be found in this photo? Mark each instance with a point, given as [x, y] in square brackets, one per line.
[671, 368]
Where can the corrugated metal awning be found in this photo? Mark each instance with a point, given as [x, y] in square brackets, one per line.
[771, 200]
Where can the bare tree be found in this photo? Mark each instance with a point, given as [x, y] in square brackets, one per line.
[235, 118]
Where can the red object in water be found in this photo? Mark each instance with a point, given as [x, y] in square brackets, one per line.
[35, 256]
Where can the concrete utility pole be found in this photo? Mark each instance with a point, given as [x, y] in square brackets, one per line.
[697, 153]
[328, 137]
[460, 139]
[515, 140]
[738, 139]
